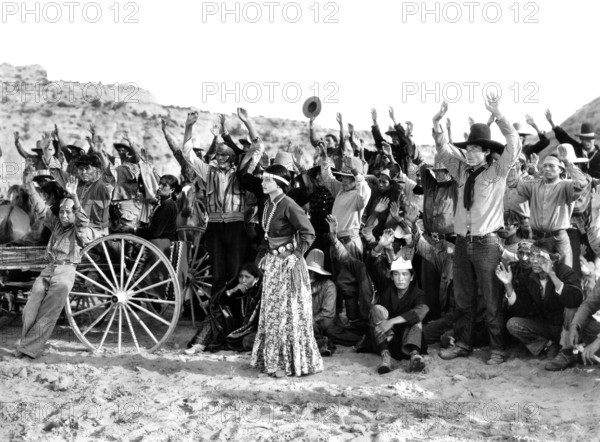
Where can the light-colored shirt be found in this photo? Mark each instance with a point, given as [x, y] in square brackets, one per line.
[487, 211]
[551, 204]
[348, 207]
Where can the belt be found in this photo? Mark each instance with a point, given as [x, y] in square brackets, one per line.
[440, 236]
[541, 234]
[285, 249]
[473, 238]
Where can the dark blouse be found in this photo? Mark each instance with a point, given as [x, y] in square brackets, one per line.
[163, 224]
[289, 219]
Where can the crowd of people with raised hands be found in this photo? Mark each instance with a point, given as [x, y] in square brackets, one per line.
[360, 245]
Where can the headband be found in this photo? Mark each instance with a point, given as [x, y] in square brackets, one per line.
[270, 176]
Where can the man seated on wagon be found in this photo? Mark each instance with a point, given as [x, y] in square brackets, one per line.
[52, 287]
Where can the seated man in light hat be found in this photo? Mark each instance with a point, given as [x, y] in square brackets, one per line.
[551, 201]
[324, 295]
[396, 318]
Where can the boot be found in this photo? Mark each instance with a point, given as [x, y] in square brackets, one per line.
[386, 362]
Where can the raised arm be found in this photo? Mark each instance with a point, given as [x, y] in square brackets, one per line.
[243, 115]
[20, 148]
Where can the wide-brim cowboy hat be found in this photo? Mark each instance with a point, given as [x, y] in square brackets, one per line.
[312, 107]
[522, 129]
[391, 131]
[77, 145]
[587, 131]
[123, 145]
[570, 153]
[315, 261]
[481, 136]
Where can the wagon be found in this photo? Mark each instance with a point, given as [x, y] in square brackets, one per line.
[128, 294]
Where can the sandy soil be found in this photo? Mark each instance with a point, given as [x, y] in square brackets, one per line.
[69, 393]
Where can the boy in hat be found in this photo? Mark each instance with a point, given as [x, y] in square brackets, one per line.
[52, 287]
[551, 201]
[126, 199]
[351, 198]
[479, 215]
[584, 148]
[396, 319]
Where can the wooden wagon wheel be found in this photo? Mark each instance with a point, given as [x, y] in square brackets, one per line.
[198, 283]
[118, 285]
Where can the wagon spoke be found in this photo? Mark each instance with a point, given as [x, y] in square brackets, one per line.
[142, 324]
[158, 318]
[79, 312]
[100, 271]
[120, 308]
[107, 328]
[144, 275]
[110, 264]
[98, 319]
[135, 341]
[150, 287]
[135, 264]
[159, 301]
[93, 282]
[122, 267]
[83, 295]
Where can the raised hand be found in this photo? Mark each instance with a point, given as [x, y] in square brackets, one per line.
[387, 149]
[71, 185]
[192, 118]
[440, 114]
[448, 124]
[471, 121]
[529, 120]
[382, 205]
[395, 210]
[222, 120]
[491, 120]
[409, 127]
[534, 159]
[392, 115]
[338, 118]
[214, 130]
[561, 153]
[387, 238]
[333, 224]
[298, 154]
[242, 114]
[504, 273]
[548, 115]
[411, 213]
[492, 104]
[374, 116]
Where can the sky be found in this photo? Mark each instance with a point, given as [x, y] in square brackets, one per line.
[271, 56]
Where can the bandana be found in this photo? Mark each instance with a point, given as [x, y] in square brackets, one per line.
[269, 176]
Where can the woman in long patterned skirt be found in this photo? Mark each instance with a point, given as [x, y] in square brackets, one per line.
[285, 342]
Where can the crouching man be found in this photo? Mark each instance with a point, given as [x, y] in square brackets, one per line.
[51, 289]
[584, 328]
[396, 318]
[541, 298]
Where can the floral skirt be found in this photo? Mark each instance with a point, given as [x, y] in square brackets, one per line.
[285, 339]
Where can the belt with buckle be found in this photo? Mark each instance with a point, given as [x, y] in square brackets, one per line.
[540, 234]
[473, 238]
[439, 236]
[289, 248]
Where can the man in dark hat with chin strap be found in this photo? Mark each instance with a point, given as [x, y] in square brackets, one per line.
[479, 215]
[585, 148]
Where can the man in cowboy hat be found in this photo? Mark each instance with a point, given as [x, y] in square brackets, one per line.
[440, 196]
[333, 146]
[95, 194]
[72, 153]
[539, 297]
[479, 215]
[396, 318]
[46, 157]
[551, 201]
[324, 296]
[403, 148]
[126, 203]
[351, 198]
[226, 205]
[585, 148]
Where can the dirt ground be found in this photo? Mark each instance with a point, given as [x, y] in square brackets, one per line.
[70, 393]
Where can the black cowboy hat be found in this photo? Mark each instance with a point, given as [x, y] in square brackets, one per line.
[481, 136]
[587, 131]
[89, 160]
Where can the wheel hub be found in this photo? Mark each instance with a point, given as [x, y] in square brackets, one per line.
[119, 297]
